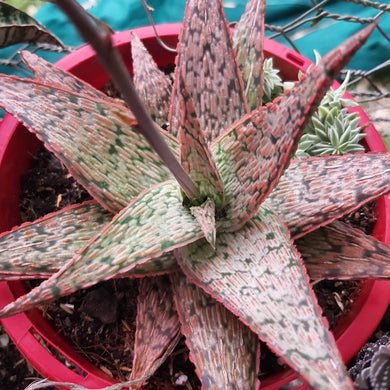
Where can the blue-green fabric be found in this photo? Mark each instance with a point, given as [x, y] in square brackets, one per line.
[323, 36]
[125, 14]
[327, 34]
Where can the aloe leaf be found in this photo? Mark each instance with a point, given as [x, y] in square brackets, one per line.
[222, 348]
[258, 275]
[339, 251]
[108, 156]
[161, 265]
[207, 64]
[254, 153]
[195, 156]
[49, 74]
[205, 216]
[249, 50]
[18, 27]
[157, 327]
[318, 190]
[154, 223]
[153, 86]
[39, 248]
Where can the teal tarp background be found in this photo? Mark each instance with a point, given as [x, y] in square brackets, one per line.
[323, 36]
[125, 14]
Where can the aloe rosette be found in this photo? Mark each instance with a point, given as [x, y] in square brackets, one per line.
[235, 273]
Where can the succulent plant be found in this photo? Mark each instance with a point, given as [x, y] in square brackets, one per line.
[273, 84]
[227, 241]
[332, 129]
[371, 370]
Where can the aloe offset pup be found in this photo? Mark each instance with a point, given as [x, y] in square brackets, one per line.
[234, 270]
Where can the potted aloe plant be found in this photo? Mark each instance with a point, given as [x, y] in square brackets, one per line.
[227, 229]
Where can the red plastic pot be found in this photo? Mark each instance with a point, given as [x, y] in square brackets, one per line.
[40, 344]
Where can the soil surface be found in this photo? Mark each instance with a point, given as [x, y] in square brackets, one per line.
[14, 370]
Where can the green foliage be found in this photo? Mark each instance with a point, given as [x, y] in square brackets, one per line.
[17, 26]
[332, 129]
[28, 6]
[273, 84]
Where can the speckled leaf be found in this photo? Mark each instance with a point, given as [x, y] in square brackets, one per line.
[154, 223]
[248, 42]
[48, 73]
[18, 27]
[205, 216]
[195, 156]
[153, 86]
[339, 251]
[316, 191]
[207, 64]
[41, 247]
[253, 155]
[49, 265]
[258, 275]
[157, 326]
[160, 265]
[222, 348]
[95, 139]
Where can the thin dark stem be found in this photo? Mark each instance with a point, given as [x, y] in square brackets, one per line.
[159, 40]
[100, 39]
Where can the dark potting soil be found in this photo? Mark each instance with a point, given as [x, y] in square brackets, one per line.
[14, 370]
[105, 337]
[48, 187]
